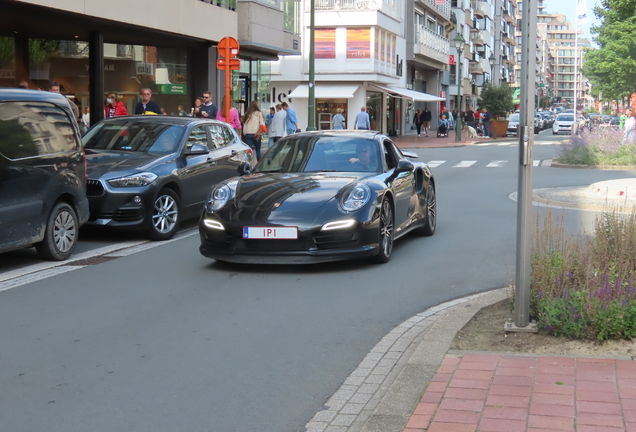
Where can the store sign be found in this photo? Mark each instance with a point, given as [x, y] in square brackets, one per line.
[451, 60]
[180, 89]
[145, 68]
[7, 73]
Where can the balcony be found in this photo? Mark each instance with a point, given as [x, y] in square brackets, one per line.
[353, 5]
[476, 69]
[444, 10]
[507, 37]
[477, 38]
[430, 44]
[474, 57]
[508, 16]
[478, 9]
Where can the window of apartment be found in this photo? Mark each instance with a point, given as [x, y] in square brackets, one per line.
[487, 24]
[440, 30]
[430, 24]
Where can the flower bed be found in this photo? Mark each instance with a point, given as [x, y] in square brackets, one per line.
[600, 146]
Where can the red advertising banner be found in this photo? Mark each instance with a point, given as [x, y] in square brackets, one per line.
[359, 43]
[451, 60]
[440, 2]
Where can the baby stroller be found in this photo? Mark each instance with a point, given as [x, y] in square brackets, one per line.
[442, 130]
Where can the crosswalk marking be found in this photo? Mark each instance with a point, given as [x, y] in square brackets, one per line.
[465, 164]
[496, 164]
[513, 143]
[492, 164]
[434, 164]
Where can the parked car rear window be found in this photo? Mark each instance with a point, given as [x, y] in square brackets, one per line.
[134, 136]
[513, 117]
[30, 129]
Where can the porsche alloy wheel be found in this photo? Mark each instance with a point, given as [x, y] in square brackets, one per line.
[431, 212]
[386, 232]
[165, 215]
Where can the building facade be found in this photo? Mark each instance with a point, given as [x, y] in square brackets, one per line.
[92, 48]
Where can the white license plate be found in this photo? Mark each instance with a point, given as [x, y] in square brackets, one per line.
[260, 233]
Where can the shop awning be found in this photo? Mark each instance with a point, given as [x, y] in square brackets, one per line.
[409, 94]
[325, 91]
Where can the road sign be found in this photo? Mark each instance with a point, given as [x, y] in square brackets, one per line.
[228, 47]
[231, 64]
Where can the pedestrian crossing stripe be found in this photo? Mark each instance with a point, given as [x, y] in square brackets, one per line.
[493, 164]
[514, 143]
[465, 164]
[496, 164]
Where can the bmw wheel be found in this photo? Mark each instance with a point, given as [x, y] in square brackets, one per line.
[60, 236]
[386, 232]
[430, 222]
[165, 215]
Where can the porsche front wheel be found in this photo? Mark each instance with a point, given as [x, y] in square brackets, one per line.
[430, 220]
[386, 232]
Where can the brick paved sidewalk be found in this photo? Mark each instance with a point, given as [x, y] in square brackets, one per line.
[413, 141]
[507, 393]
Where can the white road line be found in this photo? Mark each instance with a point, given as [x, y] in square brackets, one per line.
[465, 164]
[496, 164]
[150, 245]
[34, 277]
[536, 162]
[84, 255]
[434, 164]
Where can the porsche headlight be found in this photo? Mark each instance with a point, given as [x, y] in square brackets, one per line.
[356, 198]
[219, 196]
[134, 180]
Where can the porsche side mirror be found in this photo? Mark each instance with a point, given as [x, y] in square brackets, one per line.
[198, 149]
[409, 154]
[404, 166]
[245, 168]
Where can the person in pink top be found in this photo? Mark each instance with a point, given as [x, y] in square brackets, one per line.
[234, 121]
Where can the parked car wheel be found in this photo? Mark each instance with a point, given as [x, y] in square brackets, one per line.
[431, 213]
[61, 232]
[386, 232]
[165, 215]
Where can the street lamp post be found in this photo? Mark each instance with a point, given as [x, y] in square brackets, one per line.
[492, 61]
[459, 42]
[311, 102]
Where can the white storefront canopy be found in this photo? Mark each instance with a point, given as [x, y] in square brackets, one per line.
[409, 94]
[325, 91]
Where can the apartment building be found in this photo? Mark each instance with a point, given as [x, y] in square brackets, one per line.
[91, 48]
[516, 76]
[386, 55]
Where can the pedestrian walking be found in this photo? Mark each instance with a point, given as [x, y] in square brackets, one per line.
[278, 128]
[454, 122]
[418, 121]
[629, 134]
[86, 118]
[147, 105]
[292, 121]
[427, 116]
[232, 119]
[253, 121]
[269, 119]
[181, 112]
[54, 87]
[114, 107]
[208, 109]
[362, 121]
[338, 121]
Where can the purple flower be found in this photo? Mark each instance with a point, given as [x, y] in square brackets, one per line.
[624, 303]
[570, 275]
[540, 295]
[565, 294]
[548, 327]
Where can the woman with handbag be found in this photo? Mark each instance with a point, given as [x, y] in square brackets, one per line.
[253, 126]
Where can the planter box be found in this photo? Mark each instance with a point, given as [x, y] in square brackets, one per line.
[498, 128]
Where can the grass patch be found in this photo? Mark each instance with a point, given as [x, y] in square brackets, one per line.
[585, 288]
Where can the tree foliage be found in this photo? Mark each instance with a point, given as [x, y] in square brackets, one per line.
[497, 99]
[612, 67]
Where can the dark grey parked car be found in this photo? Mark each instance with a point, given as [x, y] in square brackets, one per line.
[151, 172]
[42, 174]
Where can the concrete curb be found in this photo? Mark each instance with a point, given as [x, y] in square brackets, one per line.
[382, 392]
[598, 167]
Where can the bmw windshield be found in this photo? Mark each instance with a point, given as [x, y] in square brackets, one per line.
[134, 136]
[322, 153]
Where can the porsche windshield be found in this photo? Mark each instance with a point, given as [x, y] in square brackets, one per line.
[135, 136]
[322, 153]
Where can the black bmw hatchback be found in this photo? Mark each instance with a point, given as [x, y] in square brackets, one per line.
[151, 172]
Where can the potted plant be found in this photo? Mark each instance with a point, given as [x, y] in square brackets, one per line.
[498, 100]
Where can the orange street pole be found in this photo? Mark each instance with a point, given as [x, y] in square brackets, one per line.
[228, 82]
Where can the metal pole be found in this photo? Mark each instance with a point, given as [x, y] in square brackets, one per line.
[526, 140]
[458, 125]
[311, 106]
[576, 69]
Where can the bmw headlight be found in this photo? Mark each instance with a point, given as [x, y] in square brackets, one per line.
[135, 180]
[219, 196]
[356, 198]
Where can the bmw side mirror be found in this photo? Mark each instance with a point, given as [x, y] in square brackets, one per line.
[245, 168]
[198, 149]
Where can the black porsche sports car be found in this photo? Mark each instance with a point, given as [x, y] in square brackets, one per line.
[318, 197]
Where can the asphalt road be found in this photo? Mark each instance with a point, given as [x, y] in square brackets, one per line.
[166, 340]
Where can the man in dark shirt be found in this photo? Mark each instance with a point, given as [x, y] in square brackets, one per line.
[208, 109]
[485, 117]
[470, 117]
[427, 116]
[147, 104]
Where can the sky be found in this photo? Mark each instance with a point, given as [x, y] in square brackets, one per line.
[568, 8]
